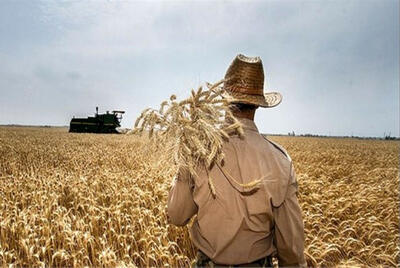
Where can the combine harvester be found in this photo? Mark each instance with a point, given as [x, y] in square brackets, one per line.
[100, 123]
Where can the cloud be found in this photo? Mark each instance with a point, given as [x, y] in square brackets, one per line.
[73, 75]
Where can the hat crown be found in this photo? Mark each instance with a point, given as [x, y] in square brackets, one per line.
[245, 75]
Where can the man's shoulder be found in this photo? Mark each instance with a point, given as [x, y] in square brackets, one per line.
[278, 148]
[282, 173]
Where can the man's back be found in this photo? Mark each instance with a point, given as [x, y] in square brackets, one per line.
[237, 220]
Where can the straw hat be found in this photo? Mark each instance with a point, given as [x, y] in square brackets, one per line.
[244, 83]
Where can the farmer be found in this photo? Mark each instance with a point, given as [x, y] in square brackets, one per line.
[245, 223]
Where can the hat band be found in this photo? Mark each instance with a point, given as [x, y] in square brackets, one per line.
[245, 89]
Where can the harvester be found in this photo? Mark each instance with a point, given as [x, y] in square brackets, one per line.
[99, 123]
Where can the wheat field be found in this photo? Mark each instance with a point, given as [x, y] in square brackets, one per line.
[100, 200]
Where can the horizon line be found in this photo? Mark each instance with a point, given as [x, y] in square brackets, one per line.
[289, 134]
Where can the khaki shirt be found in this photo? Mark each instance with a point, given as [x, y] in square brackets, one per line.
[239, 225]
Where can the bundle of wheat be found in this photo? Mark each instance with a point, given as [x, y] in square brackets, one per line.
[194, 129]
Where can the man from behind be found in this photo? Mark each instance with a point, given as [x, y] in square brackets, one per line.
[254, 213]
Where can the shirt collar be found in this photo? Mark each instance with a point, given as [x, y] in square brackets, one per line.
[248, 124]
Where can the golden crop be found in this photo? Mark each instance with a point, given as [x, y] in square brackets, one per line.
[92, 199]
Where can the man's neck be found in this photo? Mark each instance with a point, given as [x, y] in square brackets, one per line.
[245, 114]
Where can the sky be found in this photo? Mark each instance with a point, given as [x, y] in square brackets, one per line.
[336, 63]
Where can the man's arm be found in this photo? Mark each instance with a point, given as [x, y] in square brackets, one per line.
[289, 229]
[181, 206]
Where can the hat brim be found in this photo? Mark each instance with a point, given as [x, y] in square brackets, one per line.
[269, 100]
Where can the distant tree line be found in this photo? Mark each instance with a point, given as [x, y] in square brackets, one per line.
[292, 134]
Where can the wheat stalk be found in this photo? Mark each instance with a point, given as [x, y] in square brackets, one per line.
[195, 128]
